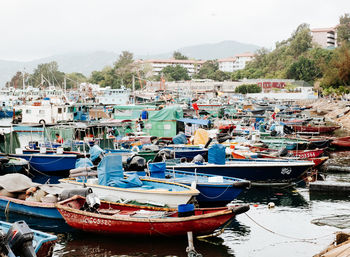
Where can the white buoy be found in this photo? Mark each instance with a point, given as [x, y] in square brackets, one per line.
[271, 205]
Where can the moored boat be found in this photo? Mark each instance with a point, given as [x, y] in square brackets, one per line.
[124, 219]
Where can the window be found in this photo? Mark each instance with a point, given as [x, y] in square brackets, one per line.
[41, 111]
[59, 110]
[28, 111]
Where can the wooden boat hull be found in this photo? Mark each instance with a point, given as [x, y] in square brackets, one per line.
[342, 143]
[319, 129]
[257, 171]
[37, 209]
[204, 221]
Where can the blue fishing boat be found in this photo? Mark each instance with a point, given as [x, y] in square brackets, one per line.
[18, 234]
[12, 165]
[186, 151]
[49, 163]
[255, 170]
[213, 189]
[36, 209]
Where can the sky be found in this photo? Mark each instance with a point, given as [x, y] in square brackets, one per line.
[32, 29]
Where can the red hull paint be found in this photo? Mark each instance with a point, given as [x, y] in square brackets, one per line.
[204, 221]
[302, 154]
[321, 129]
[342, 142]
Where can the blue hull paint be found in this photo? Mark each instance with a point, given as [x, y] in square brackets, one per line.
[49, 163]
[6, 114]
[210, 192]
[286, 173]
[27, 209]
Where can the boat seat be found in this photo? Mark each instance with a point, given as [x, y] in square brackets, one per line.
[108, 211]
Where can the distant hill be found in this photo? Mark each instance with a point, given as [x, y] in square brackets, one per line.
[219, 50]
[87, 62]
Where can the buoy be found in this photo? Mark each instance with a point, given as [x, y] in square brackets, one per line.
[271, 205]
[255, 205]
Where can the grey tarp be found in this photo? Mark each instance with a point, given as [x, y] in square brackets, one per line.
[16, 182]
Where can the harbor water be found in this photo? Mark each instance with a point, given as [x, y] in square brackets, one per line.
[296, 226]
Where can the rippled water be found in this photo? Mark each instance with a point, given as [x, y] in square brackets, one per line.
[286, 230]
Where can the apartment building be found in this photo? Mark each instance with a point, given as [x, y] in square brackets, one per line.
[324, 37]
[157, 65]
[235, 63]
[227, 64]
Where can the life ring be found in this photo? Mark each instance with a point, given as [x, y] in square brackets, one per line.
[135, 149]
[43, 122]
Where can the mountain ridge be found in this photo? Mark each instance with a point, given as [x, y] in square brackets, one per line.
[86, 62]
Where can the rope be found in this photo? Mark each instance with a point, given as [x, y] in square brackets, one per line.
[7, 209]
[216, 233]
[214, 197]
[286, 236]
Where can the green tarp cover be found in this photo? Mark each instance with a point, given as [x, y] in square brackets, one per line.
[9, 142]
[171, 113]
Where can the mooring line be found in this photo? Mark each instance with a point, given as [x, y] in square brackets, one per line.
[286, 236]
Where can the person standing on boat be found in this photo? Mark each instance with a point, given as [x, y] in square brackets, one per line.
[59, 139]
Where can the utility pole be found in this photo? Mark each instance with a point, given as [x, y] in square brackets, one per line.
[23, 74]
[133, 88]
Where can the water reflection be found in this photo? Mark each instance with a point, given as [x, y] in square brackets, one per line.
[85, 244]
[279, 196]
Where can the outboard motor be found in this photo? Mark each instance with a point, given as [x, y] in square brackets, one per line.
[283, 152]
[92, 203]
[136, 163]
[18, 241]
[198, 159]
[68, 193]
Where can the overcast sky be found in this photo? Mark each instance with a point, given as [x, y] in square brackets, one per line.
[31, 29]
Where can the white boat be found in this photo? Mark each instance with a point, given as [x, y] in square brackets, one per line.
[152, 192]
[110, 96]
[111, 185]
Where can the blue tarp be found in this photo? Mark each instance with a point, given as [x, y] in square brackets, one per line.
[217, 154]
[83, 162]
[180, 139]
[110, 173]
[195, 121]
[132, 180]
[94, 152]
[157, 169]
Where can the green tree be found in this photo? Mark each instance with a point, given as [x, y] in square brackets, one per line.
[343, 29]
[304, 69]
[50, 73]
[74, 79]
[179, 56]
[175, 73]
[207, 70]
[248, 88]
[125, 68]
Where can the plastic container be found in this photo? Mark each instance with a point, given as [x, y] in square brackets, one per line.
[185, 210]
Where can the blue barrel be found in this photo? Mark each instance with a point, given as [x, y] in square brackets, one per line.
[185, 210]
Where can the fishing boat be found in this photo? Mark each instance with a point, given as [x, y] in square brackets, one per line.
[315, 129]
[213, 189]
[31, 208]
[341, 142]
[112, 185]
[111, 218]
[12, 165]
[255, 170]
[50, 163]
[19, 234]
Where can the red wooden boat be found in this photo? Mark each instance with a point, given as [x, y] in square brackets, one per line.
[302, 154]
[342, 142]
[315, 129]
[126, 219]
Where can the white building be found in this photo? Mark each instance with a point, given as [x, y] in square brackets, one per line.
[242, 59]
[227, 64]
[324, 37]
[192, 66]
[238, 62]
